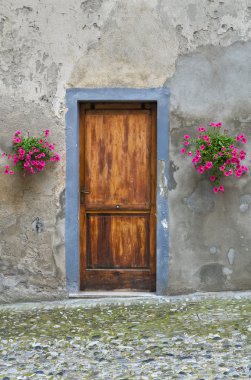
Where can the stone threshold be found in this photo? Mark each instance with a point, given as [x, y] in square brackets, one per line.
[111, 294]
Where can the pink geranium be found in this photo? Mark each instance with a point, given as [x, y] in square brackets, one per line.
[30, 154]
[201, 129]
[201, 169]
[214, 151]
[16, 140]
[209, 165]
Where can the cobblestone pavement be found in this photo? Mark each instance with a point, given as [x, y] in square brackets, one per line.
[152, 338]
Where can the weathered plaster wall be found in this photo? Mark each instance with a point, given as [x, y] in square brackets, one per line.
[200, 49]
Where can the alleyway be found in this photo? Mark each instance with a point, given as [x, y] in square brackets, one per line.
[189, 337]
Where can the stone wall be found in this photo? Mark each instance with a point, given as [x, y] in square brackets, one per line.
[201, 50]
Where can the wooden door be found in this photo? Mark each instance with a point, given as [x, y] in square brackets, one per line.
[117, 196]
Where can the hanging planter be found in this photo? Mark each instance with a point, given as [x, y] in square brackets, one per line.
[30, 155]
[216, 153]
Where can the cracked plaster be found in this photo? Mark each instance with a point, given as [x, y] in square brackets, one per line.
[199, 49]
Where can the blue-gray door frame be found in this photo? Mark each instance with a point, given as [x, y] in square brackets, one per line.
[74, 96]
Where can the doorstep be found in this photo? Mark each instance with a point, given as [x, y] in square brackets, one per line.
[111, 294]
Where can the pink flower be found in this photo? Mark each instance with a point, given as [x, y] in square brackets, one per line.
[231, 146]
[46, 132]
[17, 133]
[196, 159]
[240, 137]
[52, 147]
[212, 178]
[21, 151]
[244, 168]
[221, 188]
[202, 147]
[209, 165]
[58, 158]
[16, 140]
[15, 159]
[217, 125]
[222, 168]
[186, 143]
[187, 137]
[226, 174]
[190, 154]
[242, 155]
[215, 189]
[201, 129]
[206, 138]
[7, 170]
[215, 156]
[238, 173]
[244, 140]
[183, 151]
[41, 141]
[201, 169]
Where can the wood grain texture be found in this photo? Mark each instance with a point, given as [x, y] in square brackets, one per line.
[117, 158]
[100, 279]
[118, 168]
[117, 241]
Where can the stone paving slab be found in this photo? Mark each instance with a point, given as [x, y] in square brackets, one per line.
[200, 336]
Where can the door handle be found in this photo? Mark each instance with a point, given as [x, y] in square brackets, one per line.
[84, 191]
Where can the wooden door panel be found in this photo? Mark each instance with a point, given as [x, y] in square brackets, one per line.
[117, 158]
[120, 279]
[118, 196]
[117, 241]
